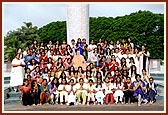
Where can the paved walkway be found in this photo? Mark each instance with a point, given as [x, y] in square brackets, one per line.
[158, 106]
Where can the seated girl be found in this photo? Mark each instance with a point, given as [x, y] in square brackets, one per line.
[108, 91]
[26, 95]
[118, 87]
[128, 91]
[151, 90]
[44, 96]
[53, 88]
[139, 89]
[35, 92]
[99, 95]
[90, 93]
[81, 91]
[71, 93]
[62, 88]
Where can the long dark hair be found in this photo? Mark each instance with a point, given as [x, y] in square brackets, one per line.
[87, 75]
[132, 59]
[104, 70]
[133, 70]
[109, 52]
[52, 82]
[100, 82]
[61, 76]
[117, 81]
[81, 69]
[123, 63]
[100, 75]
[69, 70]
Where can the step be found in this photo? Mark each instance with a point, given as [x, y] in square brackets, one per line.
[6, 91]
[6, 78]
[159, 98]
[14, 94]
[13, 100]
[7, 82]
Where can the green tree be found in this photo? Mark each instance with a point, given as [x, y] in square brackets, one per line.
[19, 38]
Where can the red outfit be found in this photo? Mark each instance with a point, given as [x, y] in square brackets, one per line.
[113, 65]
[43, 57]
[111, 97]
[25, 89]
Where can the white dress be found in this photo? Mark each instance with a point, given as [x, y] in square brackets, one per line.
[90, 52]
[141, 63]
[99, 92]
[118, 91]
[136, 63]
[17, 73]
[71, 96]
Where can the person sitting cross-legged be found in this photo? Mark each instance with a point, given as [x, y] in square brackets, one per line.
[81, 91]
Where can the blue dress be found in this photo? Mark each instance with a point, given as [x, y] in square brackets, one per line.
[139, 90]
[152, 92]
[80, 48]
[27, 60]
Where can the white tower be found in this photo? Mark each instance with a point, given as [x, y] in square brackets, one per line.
[77, 22]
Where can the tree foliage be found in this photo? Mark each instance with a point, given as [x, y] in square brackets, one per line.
[19, 38]
[53, 31]
[143, 27]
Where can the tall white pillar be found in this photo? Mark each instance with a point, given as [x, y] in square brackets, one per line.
[77, 22]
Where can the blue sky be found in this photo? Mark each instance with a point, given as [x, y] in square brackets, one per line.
[42, 14]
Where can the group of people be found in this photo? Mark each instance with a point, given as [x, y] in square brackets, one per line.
[78, 73]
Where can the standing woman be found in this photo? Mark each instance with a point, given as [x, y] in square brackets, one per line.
[112, 64]
[91, 48]
[79, 46]
[144, 59]
[136, 59]
[139, 89]
[17, 74]
[133, 73]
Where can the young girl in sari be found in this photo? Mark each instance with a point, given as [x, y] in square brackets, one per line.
[44, 96]
[35, 92]
[53, 88]
[108, 90]
[139, 89]
[128, 91]
[26, 96]
[151, 90]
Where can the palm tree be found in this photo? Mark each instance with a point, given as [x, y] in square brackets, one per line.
[21, 37]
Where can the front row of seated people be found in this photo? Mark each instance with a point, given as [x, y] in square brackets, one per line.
[107, 91]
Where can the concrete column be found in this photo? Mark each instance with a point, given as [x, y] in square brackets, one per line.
[77, 22]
